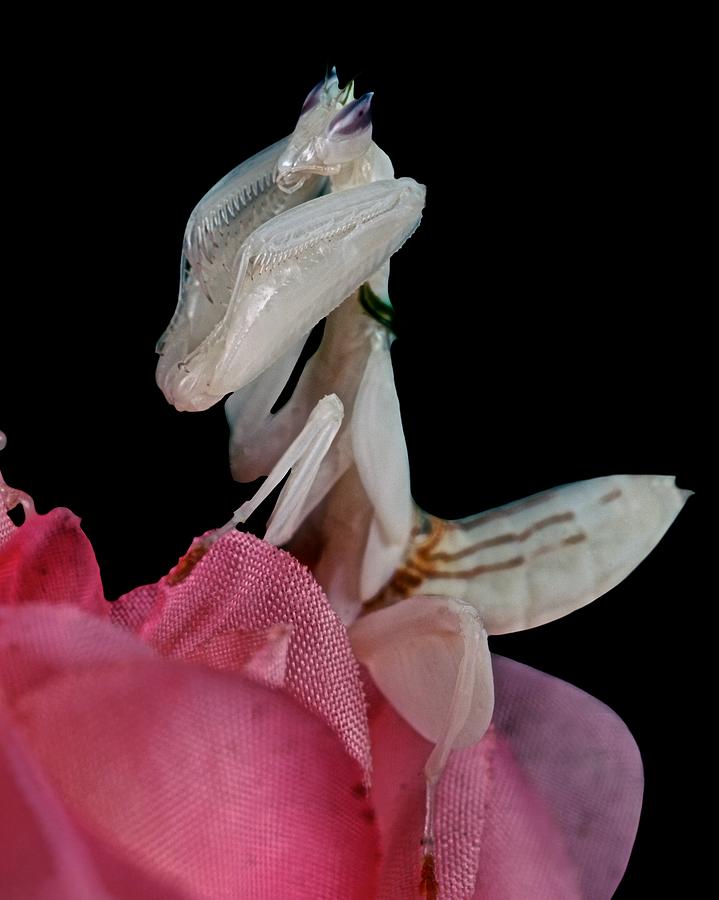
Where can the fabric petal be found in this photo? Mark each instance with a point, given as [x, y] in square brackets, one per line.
[207, 782]
[7, 526]
[42, 854]
[50, 560]
[45, 854]
[40, 641]
[512, 811]
[581, 759]
[243, 584]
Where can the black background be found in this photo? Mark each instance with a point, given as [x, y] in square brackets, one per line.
[545, 310]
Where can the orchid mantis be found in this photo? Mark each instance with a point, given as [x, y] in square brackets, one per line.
[305, 230]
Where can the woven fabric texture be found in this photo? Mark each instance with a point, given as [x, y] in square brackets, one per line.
[208, 737]
[243, 587]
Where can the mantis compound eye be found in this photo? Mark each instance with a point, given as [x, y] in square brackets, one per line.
[349, 133]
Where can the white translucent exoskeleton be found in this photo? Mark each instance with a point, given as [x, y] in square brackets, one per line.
[225, 217]
[302, 459]
[509, 569]
[370, 471]
[290, 273]
[222, 220]
[538, 559]
[359, 511]
[419, 594]
[250, 292]
[517, 567]
[370, 546]
[450, 695]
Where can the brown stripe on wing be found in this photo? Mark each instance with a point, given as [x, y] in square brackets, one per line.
[475, 571]
[477, 521]
[511, 537]
[443, 556]
[612, 495]
[419, 566]
[568, 541]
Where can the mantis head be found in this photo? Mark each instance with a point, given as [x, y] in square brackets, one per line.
[267, 253]
[333, 130]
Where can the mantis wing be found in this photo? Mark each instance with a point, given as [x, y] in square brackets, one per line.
[536, 560]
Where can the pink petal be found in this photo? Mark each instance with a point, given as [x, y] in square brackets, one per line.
[41, 641]
[42, 854]
[544, 807]
[583, 762]
[45, 855]
[201, 780]
[49, 560]
[242, 586]
[7, 526]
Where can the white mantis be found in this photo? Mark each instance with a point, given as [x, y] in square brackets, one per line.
[304, 230]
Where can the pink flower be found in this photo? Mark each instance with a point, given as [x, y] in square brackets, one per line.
[209, 737]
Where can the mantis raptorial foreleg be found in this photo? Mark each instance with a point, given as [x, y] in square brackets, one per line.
[302, 459]
[333, 137]
[255, 444]
[205, 353]
[250, 195]
[291, 272]
[354, 357]
[220, 223]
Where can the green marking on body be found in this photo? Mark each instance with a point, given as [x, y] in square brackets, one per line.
[381, 310]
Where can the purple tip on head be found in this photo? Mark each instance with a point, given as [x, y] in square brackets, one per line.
[354, 118]
[313, 98]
